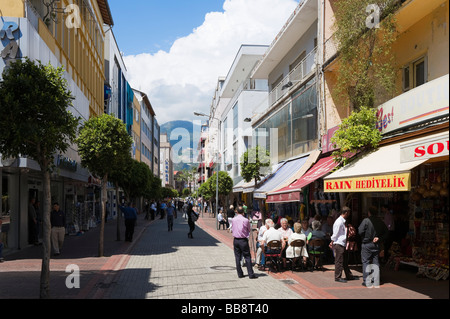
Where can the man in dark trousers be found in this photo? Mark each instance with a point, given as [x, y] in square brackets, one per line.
[130, 216]
[241, 229]
[373, 232]
[338, 244]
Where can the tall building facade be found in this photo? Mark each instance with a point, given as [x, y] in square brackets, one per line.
[166, 162]
[41, 31]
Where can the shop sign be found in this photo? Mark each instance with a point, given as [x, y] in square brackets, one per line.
[286, 197]
[426, 102]
[66, 163]
[327, 145]
[379, 183]
[425, 149]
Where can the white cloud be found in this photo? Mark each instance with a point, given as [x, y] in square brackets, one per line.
[182, 80]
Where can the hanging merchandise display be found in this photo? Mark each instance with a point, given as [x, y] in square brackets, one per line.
[427, 244]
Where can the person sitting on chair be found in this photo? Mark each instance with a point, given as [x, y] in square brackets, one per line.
[270, 235]
[316, 233]
[298, 252]
[285, 231]
[222, 220]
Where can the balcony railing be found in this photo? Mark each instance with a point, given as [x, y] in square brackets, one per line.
[298, 75]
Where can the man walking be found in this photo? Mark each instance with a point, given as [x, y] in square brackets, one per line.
[241, 231]
[373, 232]
[130, 216]
[338, 244]
[58, 222]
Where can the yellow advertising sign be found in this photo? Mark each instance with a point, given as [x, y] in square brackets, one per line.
[379, 183]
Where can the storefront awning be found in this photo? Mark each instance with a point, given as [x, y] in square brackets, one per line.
[238, 188]
[284, 174]
[379, 171]
[291, 193]
[250, 186]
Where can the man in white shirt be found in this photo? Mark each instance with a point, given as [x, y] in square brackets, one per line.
[286, 232]
[271, 234]
[338, 244]
[260, 258]
[222, 220]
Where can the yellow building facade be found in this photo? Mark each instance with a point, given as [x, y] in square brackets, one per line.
[421, 51]
[67, 34]
[136, 129]
[73, 31]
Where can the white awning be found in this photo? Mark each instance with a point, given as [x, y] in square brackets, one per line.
[378, 171]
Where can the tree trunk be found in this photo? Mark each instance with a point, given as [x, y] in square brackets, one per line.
[118, 213]
[103, 214]
[46, 243]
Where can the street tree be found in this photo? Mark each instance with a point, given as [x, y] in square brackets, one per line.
[137, 178]
[225, 184]
[255, 164]
[35, 122]
[104, 147]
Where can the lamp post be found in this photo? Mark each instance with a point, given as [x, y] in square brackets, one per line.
[217, 173]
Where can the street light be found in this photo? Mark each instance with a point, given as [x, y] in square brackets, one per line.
[217, 173]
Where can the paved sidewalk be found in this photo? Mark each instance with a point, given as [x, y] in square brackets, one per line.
[20, 273]
[169, 265]
[401, 284]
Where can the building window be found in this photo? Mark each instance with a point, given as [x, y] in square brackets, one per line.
[415, 74]
[235, 160]
[235, 121]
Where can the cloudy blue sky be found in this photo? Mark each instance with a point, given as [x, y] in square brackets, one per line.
[176, 50]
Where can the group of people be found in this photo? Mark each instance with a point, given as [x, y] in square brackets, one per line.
[57, 222]
[374, 234]
[337, 233]
[286, 235]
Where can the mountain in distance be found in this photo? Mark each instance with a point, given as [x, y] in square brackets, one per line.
[181, 135]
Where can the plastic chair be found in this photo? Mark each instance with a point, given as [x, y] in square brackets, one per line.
[222, 224]
[298, 243]
[316, 251]
[273, 254]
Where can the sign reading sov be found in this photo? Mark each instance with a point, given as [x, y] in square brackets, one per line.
[431, 147]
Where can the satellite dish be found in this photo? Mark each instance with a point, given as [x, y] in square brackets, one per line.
[6, 162]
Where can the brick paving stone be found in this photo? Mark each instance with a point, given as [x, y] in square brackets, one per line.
[163, 265]
[169, 265]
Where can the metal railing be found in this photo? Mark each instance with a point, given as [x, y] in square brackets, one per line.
[299, 74]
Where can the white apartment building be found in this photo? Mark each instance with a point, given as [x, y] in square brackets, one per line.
[235, 97]
[166, 162]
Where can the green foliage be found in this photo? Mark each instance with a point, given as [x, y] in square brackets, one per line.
[186, 175]
[168, 192]
[254, 163]
[205, 190]
[366, 71]
[225, 184]
[35, 121]
[356, 133]
[135, 178]
[186, 192]
[104, 145]
[155, 189]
